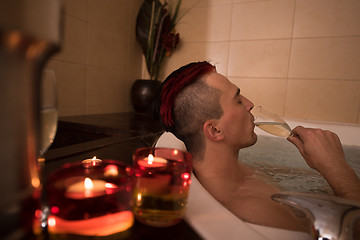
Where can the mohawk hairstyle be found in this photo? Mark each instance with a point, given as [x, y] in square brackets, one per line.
[173, 84]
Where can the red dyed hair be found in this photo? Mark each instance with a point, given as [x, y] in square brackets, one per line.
[174, 84]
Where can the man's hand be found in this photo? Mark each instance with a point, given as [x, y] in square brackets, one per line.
[322, 150]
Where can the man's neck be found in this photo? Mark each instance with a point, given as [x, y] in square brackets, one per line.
[218, 165]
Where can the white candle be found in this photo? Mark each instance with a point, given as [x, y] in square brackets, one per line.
[152, 162]
[86, 189]
[91, 162]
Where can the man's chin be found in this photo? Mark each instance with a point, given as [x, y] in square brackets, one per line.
[255, 137]
[253, 140]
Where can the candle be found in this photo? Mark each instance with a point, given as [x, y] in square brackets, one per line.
[88, 188]
[152, 162]
[90, 197]
[93, 162]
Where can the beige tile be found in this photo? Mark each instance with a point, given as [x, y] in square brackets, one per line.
[267, 58]
[107, 88]
[262, 20]
[112, 15]
[100, 86]
[134, 50]
[206, 24]
[329, 100]
[247, 1]
[75, 41]
[71, 82]
[330, 58]
[107, 49]
[215, 52]
[269, 93]
[327, 18]
[122, 85]
[204, 3]
[77, 8]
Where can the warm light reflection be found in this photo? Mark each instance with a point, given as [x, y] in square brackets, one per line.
[13, 40]
[35, 182]
[97, 226]
[35, 49]
[110, 185]
[55, 210]
[175, 152]
[111, 170]
[185, 176]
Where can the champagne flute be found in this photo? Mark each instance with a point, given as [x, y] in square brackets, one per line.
[48, 110]
[270, 122]
[48, 126]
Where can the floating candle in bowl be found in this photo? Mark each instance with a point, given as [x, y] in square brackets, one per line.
[86, 189]
[152, 162]
[92, 194]
[162, 181]
[87, 163]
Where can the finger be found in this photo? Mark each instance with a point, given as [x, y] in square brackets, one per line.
[296, 140]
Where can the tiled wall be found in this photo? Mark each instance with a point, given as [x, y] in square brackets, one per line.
[100, 58]
[299, 58]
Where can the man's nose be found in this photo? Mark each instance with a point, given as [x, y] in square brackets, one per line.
[248, 104]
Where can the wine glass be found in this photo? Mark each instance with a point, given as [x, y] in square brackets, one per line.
[270, 122]
[48, 110]
[48, 126]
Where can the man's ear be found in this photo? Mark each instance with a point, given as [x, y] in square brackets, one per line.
[211, 131]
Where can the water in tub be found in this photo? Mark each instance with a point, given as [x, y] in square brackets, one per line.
[282, 163]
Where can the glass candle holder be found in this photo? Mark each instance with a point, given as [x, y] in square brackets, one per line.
[162, 181]
[91, 198]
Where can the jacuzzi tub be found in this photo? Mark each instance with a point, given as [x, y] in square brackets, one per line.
[280, 160]
[213, 221]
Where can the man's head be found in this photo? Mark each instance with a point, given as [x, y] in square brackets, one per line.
[191, 102]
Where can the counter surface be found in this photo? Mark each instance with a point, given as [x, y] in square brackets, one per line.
[111, 136]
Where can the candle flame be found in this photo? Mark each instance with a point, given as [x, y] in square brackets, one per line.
[88, 184]
[94, 158]
[150, 159]
[51, 221]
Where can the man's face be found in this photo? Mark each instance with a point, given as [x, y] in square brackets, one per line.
[236, 123]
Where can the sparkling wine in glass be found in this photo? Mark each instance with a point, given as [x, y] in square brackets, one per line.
[48, 126]
[270, 122]
[48, 110]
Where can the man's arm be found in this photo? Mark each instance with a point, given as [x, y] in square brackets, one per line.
[322, 150]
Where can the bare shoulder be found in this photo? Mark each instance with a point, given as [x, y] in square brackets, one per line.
[252, 202]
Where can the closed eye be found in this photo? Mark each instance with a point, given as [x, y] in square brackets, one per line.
[237, 96]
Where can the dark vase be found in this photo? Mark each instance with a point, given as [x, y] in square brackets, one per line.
[142, 94]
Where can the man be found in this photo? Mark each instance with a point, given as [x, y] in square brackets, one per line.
[208, 113]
